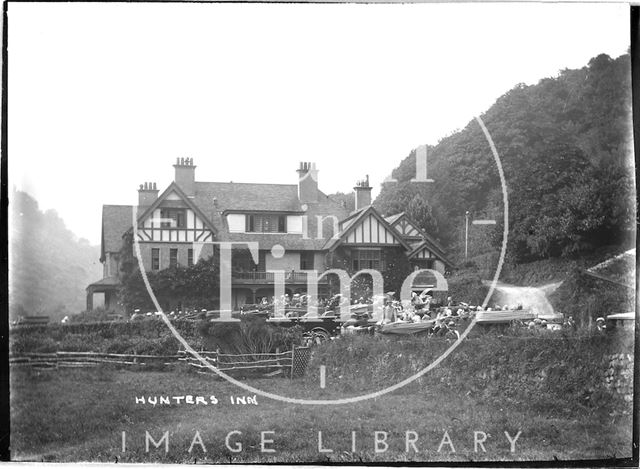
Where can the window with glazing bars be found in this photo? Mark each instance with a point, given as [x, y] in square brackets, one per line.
[367, 259]
[266, 223]
[189, 257]
[155, 259]
[173, 257]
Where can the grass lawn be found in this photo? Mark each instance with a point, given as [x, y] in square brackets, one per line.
[80, 414]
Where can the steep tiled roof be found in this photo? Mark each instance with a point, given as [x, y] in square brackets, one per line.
[425, 241]
[392, 218]
[395, 218]
[353, 216]
[232, 196]
[106, 282]
[244, 196]
[214, 199]
[291, 242]
[116, 220]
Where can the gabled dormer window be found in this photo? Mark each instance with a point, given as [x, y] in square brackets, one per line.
[266, 223]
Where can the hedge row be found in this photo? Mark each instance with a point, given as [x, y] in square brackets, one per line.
[151, 336]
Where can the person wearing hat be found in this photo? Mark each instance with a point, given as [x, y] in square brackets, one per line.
[418, 304]
[438, 324]
[389, 312]
[427, 297]
[426, 292]
[570, 323]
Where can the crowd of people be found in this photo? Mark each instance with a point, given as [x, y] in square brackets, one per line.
[422, 306]
[294, 302]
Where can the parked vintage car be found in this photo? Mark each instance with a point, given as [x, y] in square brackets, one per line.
[621, 321]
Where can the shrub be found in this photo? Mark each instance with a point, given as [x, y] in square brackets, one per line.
[81, 343]
[110, 337]
[467, 287]
[252, 335]
[121, 344]
[34, 343]
[585, 298]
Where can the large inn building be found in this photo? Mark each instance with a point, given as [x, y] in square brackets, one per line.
[315, 231]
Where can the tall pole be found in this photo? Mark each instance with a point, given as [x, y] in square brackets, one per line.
[466, 234]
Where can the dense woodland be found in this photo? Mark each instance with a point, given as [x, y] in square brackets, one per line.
[566, 149]
[49, 267]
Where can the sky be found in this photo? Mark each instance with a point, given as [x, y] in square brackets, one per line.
[106, 96]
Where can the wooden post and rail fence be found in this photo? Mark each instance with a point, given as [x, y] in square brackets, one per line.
[293, 361]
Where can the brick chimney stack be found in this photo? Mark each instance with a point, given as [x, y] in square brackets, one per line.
[307, 183]
[147, 194]
[186, 175]
[363, 193]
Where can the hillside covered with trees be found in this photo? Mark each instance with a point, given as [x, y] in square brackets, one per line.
[49, 267]
[566, 148]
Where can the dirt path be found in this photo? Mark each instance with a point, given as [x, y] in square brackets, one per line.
[533, 298]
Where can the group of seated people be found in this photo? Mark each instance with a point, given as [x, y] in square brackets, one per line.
[292, 304]
[295, 301]
[421, 307]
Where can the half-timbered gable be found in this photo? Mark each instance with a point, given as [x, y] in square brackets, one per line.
[371, 230]
[407, 228]
[427, 254]
[173, 218]
[423, 253]
[368, 228]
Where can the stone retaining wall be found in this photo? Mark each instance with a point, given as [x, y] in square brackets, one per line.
[618, 375]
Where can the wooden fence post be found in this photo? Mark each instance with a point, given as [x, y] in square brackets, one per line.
[293, 358]
[278, 358]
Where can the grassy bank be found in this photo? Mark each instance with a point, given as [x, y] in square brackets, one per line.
[543, 369]
[51, 430]
[548, 388]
